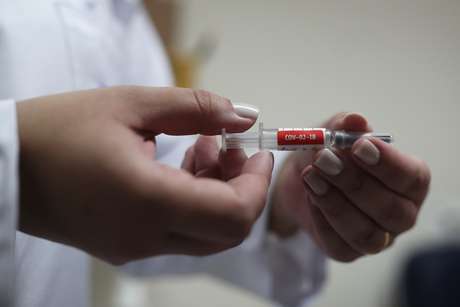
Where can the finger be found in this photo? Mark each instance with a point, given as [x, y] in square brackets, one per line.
[388, 209]
[402, 173]
[188, 163]
[180, 111]
[349, 122]
[231, 162]
[253, 182]
[352, 225]
[341, 121]
[210, 209]
[206, 157]
[332, 244]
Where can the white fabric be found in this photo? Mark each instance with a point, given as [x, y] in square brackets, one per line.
[8, 198]
[51, 46]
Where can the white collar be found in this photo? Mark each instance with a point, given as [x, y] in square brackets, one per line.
[124, 9]
[129, 2]
[89, 3]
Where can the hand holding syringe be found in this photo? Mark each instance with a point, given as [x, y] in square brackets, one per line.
[295, 138]
[352, 202]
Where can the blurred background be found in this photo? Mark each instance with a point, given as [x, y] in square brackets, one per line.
[301, 61]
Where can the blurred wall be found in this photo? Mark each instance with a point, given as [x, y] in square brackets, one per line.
[397, 62]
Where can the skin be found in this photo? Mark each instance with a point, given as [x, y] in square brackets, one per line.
[362, 203]
[89, 178]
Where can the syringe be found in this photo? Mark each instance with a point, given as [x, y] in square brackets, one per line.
[296, 138]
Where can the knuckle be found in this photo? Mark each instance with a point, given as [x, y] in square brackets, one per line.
[210, 104]
[348, 257]
[204, 100]
[389, 210]
[236, 236]
[241, 220]
[409, 217]
[234, 242]
[421, 179]
[116, 260]
[115, 253]
[354, 185]
[334, 210]
[123, 248]
[247, 212]
[398, 214]
[122, 251]
[342, 253]
[245, 225]
[243, 231]
[368, 239]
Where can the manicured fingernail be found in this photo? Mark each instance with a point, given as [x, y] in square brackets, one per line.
[318, 185]
[329, 163]
[367, 152]
[246, 110]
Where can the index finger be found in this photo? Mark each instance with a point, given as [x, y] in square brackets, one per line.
[400, 172]
[182, 111]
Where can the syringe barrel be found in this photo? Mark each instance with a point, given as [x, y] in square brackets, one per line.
[296, 138]
[302, 138]
[316, 138]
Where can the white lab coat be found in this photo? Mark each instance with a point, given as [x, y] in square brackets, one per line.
[51, 46]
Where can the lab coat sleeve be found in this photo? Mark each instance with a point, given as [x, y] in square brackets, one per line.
[288, 272]
[8, 199]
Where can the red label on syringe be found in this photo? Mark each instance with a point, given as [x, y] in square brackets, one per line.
[301, 138]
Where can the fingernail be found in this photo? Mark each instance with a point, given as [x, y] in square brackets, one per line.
[328, 162]
[367, 152]
[318, 185]
[246, 110]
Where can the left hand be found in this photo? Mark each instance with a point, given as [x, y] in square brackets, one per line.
[352, 202]
[89, 177]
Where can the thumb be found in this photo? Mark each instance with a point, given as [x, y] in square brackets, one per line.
[181, 111]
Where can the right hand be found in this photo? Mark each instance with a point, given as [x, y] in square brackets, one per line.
[88, 177]
[353, 202]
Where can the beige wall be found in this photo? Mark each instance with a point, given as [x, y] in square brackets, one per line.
[398, 62]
